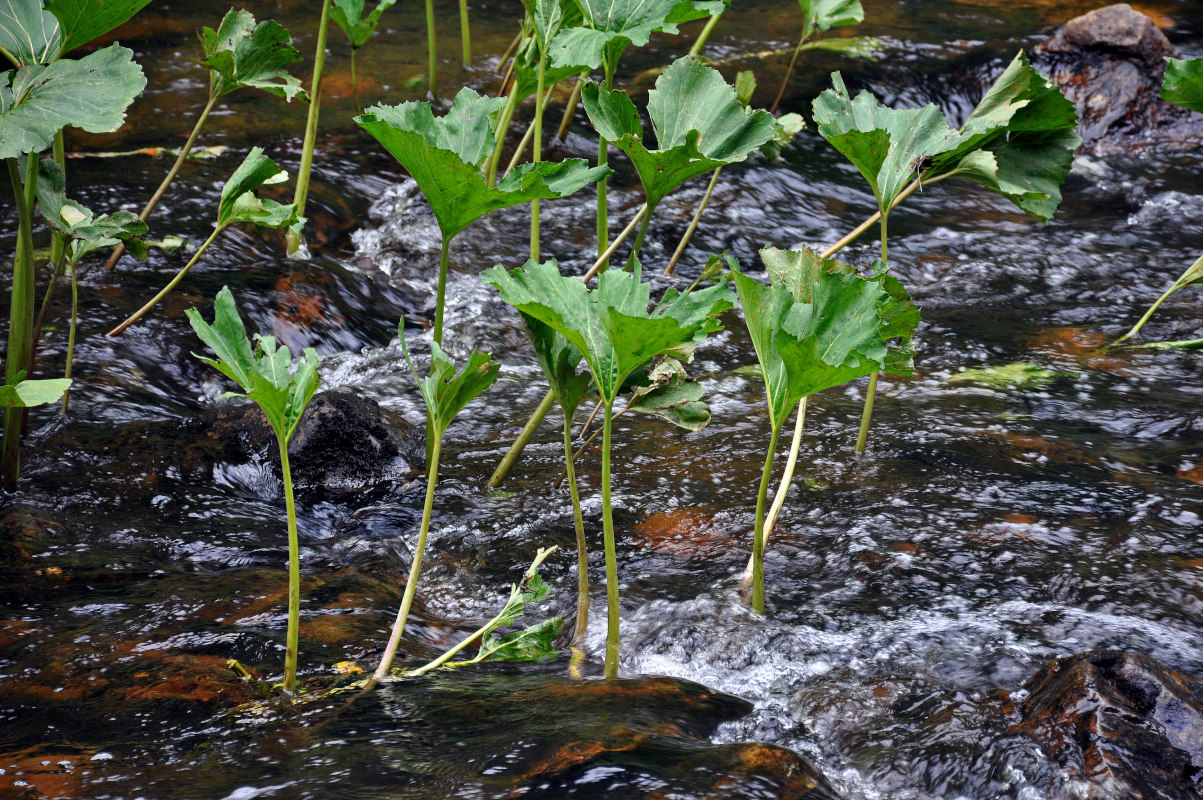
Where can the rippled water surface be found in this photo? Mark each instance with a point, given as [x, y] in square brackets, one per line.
[985, 532]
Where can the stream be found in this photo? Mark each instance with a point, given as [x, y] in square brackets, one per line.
[911, 592]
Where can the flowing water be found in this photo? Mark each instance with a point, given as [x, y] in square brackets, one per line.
[986, 531]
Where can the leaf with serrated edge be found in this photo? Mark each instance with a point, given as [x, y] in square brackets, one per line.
[81, 21]
[29, 34]
[241, 53]
[240, 204]
[348, 15]
[1183, 84]
[447, 391]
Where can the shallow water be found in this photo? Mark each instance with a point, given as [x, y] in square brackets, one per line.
[985, 532]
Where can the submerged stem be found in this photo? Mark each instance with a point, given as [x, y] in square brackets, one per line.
[355, 82]
[465, 34]
[528, 431]
[758, 531]
[582, 556]
[537, 153]
[612, 633]
[71, 333]
[866, 417]
[137, 315]
[294, 575]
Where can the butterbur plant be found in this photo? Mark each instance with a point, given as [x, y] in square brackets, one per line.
[616, 334]
[444, 156]
[266, 375]
[301, 194]
[239, 203]
[819, 16]
[818, 325]
[359, 27]
[445, 391]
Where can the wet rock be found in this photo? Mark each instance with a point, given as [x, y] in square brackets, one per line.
[1122, 722]
[343, 443]
[1110, 63]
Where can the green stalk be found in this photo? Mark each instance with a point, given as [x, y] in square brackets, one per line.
[465, 34]
[528, 432]
[866, 416]
[171, 174]
[294, 575]
[612, 640]
[537, 153]
[503, 127]
[355, 82]
[574, 100]
[411, 583]
[293, 238]
[20, 325]
[60, 268]
[432, 57]
[1175, 286]
[790, 70]
[647, 218]
[603, 157]
[442, 292]
[137, 315]
[58, 242]
[705, 35]
[582, 556]
[758, 534]
[71, 334]
[783, 488]
[693, 224]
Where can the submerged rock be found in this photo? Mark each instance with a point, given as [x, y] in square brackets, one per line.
[1110, 63]
[1125, 724]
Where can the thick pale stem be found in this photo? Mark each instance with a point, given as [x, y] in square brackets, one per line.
[171, 174]
[574, 100]
[411, 583]
[60, 267]
[758, 530]
[693, 225]
[301, 196]
[603, 157]
[582, 555]
[612, 633]
[782, 490]
[537, 154]
[705, 35]
[21, 306]
[1175, 286]
[530, 134]
[465, 34]
[294, 575]
[441, 297]
[71, 334]
[528, 431]
[866, 417]
[503, 127]
[618, 240]
[432, 56]
[154, 301]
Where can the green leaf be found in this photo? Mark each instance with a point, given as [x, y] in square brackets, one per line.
[348, 14]
[668, 393]
[86, 231]
[530, 644]
[29, 34]
[612, 24]
[91, 93]
[27, 394]
[824, 14]
[526, 73]
[1018, 375]
[559, 359]
[241, 53]
[443, 155]
[265, 373]
[446, 391]
[547, 16]
[1183, 84]
[698, 120]
[81, 21]
[611, 325]
[863, 47]
[239, 203]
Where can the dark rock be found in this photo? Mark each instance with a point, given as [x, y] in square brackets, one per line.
[1122, 722]
[343, 442]
[1110, 63]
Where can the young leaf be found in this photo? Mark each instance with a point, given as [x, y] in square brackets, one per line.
[81, 21]
[265, 373]
[699, 121]
[824, 14]
[611, 23]
[1183, 84]
[241, 53]
[610, 325]
[445, 391]
[239, 203]
[534, 643]
[91, 93]
[86, 231]
[29, 34]
[443, 155]
[348, 15]
[670, 395]
[27, 394]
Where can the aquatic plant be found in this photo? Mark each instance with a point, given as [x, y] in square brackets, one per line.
[239, 203]
[445, 392]
[818, 325]
[266, 375]
[348, 14]
[444, 154]
[616, 334]
[1183, 86]
[819, 16]
[301, 196]
[20, 393]
[36, 102]
[239, 54]
[533, 643]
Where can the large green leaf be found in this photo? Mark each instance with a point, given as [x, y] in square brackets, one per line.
[698, 120]
[443, 155]
[348, 14]
[611, 325]
[610, 23]
[824, 14]
[1183, 83]
[265, 373]
[27, 394]
[29, 34]
[447, 391]
[242, 53]
[240, 203]
[92, 94]
[81, 21]
[85, 230]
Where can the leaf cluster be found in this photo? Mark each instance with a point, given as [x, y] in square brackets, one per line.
[348, 15]
[445, 390]
[85, 230]
[243, 53]
[240, 202]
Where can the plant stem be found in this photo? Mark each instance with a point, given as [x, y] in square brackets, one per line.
[574, 100]
[634, 254]
[20, 325]
[693, 225]
[293, 238]
[1175, 286]
[115, 256]
[529, 136]
[758, 532]
[618, 240]
[783, 488]
[537, 153]
[60, 266]
[71, 333]
[440, 299]
[705, 34]
[294, 575]
[432, 58]
[612, 633]
[411, 583]
[528, 432]
[790, 70]
[355, 82]
[465, 34]
[582, 556]
[137, 315]
[58, 242]
[503, 127]
[603, 157]
[866, 417]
